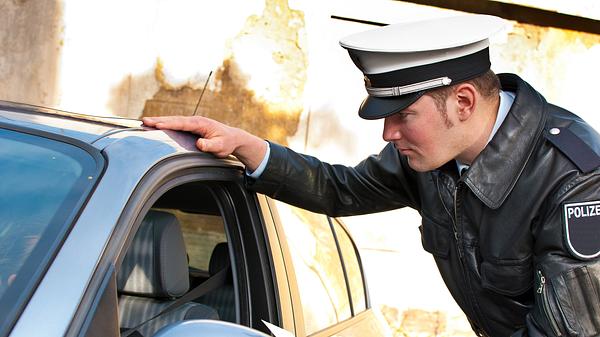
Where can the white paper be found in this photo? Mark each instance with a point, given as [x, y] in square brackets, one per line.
[277, 331]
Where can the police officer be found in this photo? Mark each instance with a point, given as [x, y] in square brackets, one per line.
[507, 185]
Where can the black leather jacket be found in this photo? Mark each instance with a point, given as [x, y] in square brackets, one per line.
[498, 233]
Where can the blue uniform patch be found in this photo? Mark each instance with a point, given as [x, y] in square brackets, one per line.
[582, 229]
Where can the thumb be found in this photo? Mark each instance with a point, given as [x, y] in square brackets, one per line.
[212, 146]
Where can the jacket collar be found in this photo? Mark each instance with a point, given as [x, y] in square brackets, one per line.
[496, 170]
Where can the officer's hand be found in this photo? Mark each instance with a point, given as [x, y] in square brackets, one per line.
[217, 138]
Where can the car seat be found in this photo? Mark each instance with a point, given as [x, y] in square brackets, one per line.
[154, 273]
[223, 298]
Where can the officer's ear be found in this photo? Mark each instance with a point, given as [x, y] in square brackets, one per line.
[466, 98]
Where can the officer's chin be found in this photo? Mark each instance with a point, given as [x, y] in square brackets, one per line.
[421, 166]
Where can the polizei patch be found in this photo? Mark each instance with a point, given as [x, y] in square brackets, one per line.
[582, 229]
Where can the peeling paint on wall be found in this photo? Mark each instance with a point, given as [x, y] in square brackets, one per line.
[546, 42]
[258, 87]
[539, 54]
[128, 97]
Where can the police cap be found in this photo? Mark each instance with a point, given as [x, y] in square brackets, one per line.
[400, 62]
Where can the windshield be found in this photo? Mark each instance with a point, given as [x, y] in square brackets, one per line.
[42, 184]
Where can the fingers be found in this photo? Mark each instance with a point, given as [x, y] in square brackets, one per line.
[214, 146]
[171, 122]
[217, 138]
[196, 124]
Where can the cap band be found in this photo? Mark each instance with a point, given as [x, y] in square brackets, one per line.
[404, 81]
[407, 89]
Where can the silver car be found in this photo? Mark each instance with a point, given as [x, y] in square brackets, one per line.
[108, 228]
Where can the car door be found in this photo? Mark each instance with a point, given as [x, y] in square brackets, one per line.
[209, 200]
[325, 277]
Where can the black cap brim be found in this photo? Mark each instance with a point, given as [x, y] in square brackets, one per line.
[381, 107]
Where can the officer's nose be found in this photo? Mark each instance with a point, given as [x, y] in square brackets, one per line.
[391, 131]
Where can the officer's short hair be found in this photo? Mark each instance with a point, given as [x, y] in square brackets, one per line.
[487, 84]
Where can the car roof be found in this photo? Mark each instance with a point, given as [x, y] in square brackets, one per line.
[78, 126]
[100, 131]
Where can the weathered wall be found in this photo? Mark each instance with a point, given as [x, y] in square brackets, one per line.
[561, 64]
[260, 84]
[277, 70]
[30, 36]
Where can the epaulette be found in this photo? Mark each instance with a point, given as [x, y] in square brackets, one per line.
[578, 151]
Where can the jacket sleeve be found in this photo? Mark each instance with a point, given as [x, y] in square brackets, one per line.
[379, 183]
[566, 264]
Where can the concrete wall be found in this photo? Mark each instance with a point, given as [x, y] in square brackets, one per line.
[275, 68]
[30, 36]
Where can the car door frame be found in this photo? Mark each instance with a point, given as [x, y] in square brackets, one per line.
[166, 174]
[356, 320]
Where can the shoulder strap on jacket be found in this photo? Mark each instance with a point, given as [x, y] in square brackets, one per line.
[580, 153]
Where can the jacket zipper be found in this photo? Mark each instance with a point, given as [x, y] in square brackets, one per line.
[452, 217]
[455, 222]
[543, 291]
[478, 315]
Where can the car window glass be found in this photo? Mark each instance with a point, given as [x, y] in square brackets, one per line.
[353, 268]
[104, 316]
[201, 233]
[317, 267]
[43, 183]
[181, 238]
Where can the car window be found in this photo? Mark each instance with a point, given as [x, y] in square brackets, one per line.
[181, 244]
[353, 268]
[317, 267]
[201, 234]
[43, 184]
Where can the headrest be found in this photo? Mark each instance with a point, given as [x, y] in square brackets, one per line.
[156, 263]
[400, 62]
[219, 258]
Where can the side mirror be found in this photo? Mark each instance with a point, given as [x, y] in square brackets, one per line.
[207, 328]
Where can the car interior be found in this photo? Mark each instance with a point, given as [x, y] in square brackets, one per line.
[178, 265]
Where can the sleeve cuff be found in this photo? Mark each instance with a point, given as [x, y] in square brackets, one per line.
[263, 164]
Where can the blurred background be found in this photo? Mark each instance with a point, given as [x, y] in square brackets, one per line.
[275, 68]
